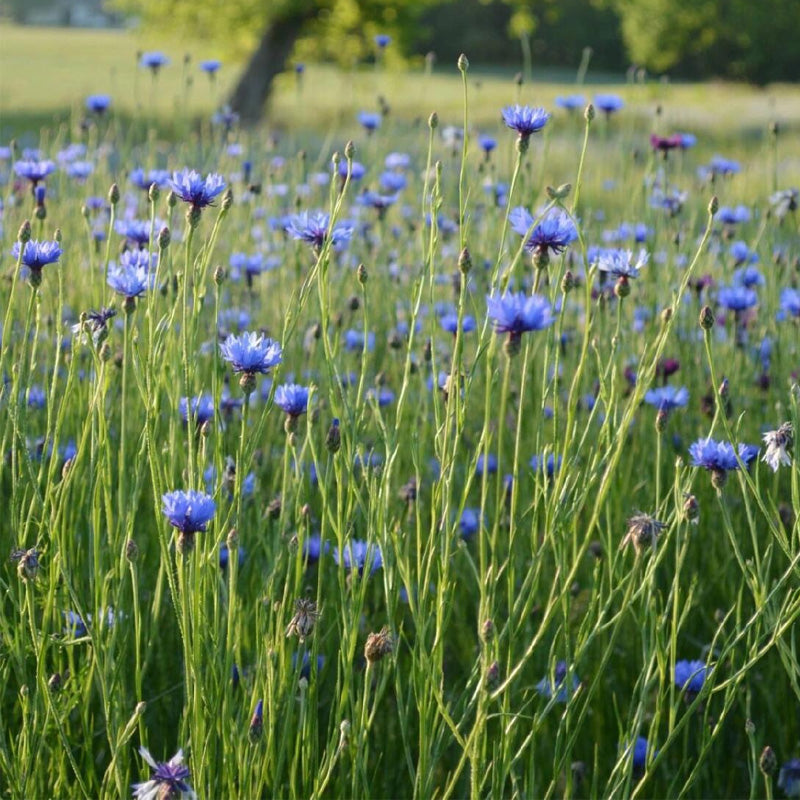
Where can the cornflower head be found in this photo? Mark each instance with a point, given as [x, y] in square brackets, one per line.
[667, 398]
[487, 144]
[733, 215]
[690, 676]
[249, 354]
[314, 229]
[211, 66]
[790, 301]
[779, 443]
[784, 201]
[643, 531]
[382, 40]
[736, 298]
[378, 645]
[665, 143]
[160, 177]
[153, 61]
[293, 400]
[516, 314]
[94, 323]
[193, 188]
[719, 458]
[257, 722]
[305, 618]
[169, 780]
[36, 255]
[200, 409]
[369, 120]
[356, 554]
[789, 778]
[571, 102]
[620, 264]
[34, 170]
[27, 563]
[98, 103]
[748, 277]
[552, 234]
[525, 120]
[608, 103]
[558, 686]
[380, 202]
[189, 512]
[548, 465]
[136, 231]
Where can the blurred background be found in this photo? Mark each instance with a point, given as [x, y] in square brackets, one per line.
[52, 51]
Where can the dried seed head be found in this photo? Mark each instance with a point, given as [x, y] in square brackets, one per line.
[768, 762]
[643, 531]
[378, 645]
[305, 617]
[27, 563]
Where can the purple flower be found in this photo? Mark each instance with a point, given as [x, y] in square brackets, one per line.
[370, 120]
[449, 322]
[382, 40]
[720, 457]
[200, 407]
[571, 102]
[356, 553]
[98, 103]
[34, 171]
[251, 352]
[666, 398]
[37, 254]
[790, 301]
[691, 675]
[134, 230]
[292, 398]
[190, 511]
[549, 466]
[608, 103]
[517, 313]
[736, 298]
[377, 201]
[525, 120]
[470, 522]
[159, 177]
[553, 233]
[129, 281]
[730, 215]
[193, 188]
[313, 228]
[620, 264]
[153, 60]
[558, 686]
[168, 779]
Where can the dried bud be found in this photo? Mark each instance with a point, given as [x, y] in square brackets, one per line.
[333, 441]
[464, 261]
[378, 645]
[768, 762]
[28, 563]
[706, 318]
[131, 551]
[274, 508]
[305, 617]
[691, 508]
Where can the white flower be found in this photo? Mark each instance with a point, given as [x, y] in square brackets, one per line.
[778, 444]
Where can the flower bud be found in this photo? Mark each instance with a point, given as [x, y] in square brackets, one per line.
[257, 723]
[464, 261]
[433, 121]
[362, 274]
[768, 762]
[349, 150]
[378, 645]
[713, 205]
[153, 192]
[589, 113]
[706, 318]
[463, 63]
[113, 194]
[131, 551]
[333, 441]
[172, 200]
[567, 282]
[227, 199]
[164, 238]
[193, 214]
[219, 274]
[24, 235]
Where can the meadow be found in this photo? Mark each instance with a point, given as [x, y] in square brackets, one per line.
[421, 444]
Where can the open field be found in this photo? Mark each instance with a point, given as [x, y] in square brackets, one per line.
[499, 498]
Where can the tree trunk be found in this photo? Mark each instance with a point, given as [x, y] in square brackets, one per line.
[250, 95]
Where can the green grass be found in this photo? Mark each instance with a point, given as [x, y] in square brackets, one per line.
[91, 438]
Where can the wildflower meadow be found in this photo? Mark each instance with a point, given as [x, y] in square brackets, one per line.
[418, 453]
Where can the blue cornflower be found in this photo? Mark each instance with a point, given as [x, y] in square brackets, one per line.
[449, 322]
[200, 407]
[224, 556]
[383, 397]
[313, 548]
[789, 778]
[557, 686]
[608, 103]
[724, 166]
[571, 102]
[736, 298]
[741, 253]
[380, 202]
[554, 232]
[748, 277]
[313, 228]
[251, 353]
[193, 188]
[129, 281]
[80, 170]
[487, 144]
[211, 66]
[135, 230]
[549, 466]
[790, 301]
[170, 779]
[397, 161]
[159, 177]
[98, 103]
[620, 264]
[382, 40]
[37, 254]
[733, 215]
[154, 60]
[640, 752]
[251, 265]
[525, 120]
[34, 171]
[190, 511]
[687, 140]
[354, 340]
[667, 398]
[292, 398]
[487, 464]
[469, 522]
[355, 553]
[516, 313]
[393, 181]
[691, 675]
[720, 458]
[370, 120]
